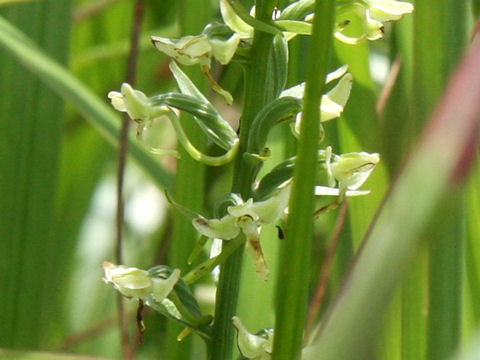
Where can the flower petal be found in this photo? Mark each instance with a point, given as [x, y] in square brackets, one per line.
[329, 191]
[250, 229]
[129, 281]
[243, 209]
[351, 170]
[117, 101]
[388, 10]
[223, 50]
[188, 50]
[162, 287]
[224, 228]
[271, 210]
[234, 22]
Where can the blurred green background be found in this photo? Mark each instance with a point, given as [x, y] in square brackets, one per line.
[58, 175]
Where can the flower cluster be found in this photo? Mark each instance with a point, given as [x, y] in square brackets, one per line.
[247, 217]
[161, 287]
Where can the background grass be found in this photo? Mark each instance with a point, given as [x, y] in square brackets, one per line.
[57, 195]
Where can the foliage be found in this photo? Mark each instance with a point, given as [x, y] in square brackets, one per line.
[274, 151]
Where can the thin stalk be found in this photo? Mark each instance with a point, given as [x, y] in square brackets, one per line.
[292, 295]
[190, 177]
[122, 160]
[321, 290]
[257, 95]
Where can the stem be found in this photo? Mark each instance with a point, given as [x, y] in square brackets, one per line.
[257, 95]
[292, 295]
[122, 159]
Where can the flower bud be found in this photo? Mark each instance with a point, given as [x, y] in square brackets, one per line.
[351, 170]
[135, 103]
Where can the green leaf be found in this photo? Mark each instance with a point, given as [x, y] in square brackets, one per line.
[95, 110]
[30, 145]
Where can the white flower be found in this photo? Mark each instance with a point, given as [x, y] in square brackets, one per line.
[138, 284]
[351, 170]
[135, 103]
[188, 50]
[253, 346]
[371, 16]
[332, 103]
[247, 217]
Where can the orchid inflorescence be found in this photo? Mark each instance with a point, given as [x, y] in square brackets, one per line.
[163, 288]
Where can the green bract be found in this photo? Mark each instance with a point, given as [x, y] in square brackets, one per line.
[234, 22]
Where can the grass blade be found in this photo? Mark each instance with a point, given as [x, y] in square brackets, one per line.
[292, 294]
[95, 110]
[350, 327]
[32, 117]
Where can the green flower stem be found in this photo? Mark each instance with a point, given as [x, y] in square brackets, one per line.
[188, 193]
[207, 266]
[294, 279]
[257, 94]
